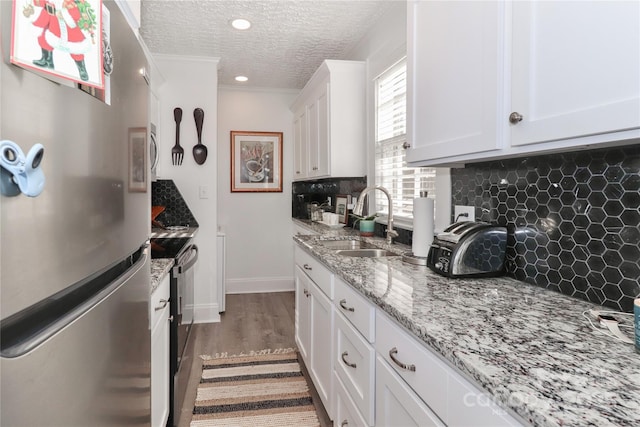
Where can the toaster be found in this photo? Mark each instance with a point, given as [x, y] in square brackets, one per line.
[469, 249]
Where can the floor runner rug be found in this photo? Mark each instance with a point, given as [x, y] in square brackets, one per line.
[253, 390]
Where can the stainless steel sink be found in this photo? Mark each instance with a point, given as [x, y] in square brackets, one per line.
[368, 253]
[346, 244]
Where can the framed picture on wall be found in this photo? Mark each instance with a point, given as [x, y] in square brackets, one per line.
[342, 201]
[256, 161]
[138, 160]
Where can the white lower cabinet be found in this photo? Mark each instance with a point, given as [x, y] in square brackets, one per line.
[320, 362]
[379, 374]
[397, 404]
[159, 316]
[354, 364]
[345, 410]
[453, 399]
[315, 324]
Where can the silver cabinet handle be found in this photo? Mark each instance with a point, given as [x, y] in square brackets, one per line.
[392, 355]
[170, 318]
[515, 118]
[344, 423]
[344, 355]
[307, 267]
[343, 304]
[406, 145]
[164, 303]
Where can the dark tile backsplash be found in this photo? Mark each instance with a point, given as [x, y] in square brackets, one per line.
[165, 193]
[573, 219]
[305, 192]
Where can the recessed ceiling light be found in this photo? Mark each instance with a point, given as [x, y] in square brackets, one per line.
[241, 24]
[241, 78]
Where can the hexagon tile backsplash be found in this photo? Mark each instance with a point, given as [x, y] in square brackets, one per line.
[573, 219]
[165, 193]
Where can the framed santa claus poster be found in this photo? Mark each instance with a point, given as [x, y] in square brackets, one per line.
[59, 38]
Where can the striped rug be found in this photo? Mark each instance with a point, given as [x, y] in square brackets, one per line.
[253, 390]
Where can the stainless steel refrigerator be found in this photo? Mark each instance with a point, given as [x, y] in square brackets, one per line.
[75, 268]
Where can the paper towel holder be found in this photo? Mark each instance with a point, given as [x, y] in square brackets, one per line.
[409, 257]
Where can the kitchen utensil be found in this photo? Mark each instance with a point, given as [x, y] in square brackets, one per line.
[156, 210]
[199, 150]
[177, 152]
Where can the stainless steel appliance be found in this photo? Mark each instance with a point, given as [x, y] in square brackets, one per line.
[469, 249]
[75, 267]
[185, 255]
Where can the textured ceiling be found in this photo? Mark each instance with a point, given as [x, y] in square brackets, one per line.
[285, 45]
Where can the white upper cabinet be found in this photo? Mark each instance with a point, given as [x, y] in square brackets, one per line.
[455, 73]
[498, 79]
[330, 123]
[300, 144]
[576, 69]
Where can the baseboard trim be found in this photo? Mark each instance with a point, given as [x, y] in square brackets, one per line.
[206, 313]
[259, 285]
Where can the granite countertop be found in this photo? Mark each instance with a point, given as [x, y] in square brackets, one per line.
[159, 268]
[161, 233]
[530, 348]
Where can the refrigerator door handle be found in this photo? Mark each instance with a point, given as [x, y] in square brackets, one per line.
[26, 330]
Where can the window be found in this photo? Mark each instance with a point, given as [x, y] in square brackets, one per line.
[391, 171]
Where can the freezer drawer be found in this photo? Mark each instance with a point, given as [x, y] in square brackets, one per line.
[94, 371]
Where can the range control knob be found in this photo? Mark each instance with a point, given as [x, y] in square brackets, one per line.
[439, 265]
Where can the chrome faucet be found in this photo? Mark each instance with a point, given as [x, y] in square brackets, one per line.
[391, 233]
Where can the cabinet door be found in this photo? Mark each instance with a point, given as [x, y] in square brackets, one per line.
[160, 353]
[575, 69]
[300, 151]
[455, 72]
[321, 360]
[354, 364]
[324, 142]
[397, 404]
[318, 111]
[303, 304]
[314, 137]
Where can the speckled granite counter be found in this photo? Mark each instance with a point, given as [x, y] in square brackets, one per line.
[169, 234]
[528, 347]
[159, 268]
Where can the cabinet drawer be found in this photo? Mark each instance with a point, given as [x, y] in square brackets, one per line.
[429, 379]
[470, 405]
[159, 301]
[454, 399]
[315, 270]
[360, 312]
[397, 404]
[346, 413]
[354, 364]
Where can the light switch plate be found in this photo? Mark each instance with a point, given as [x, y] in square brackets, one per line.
[464, 213]
[204, 192]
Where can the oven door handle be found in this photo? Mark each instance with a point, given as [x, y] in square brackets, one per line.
[188, 258]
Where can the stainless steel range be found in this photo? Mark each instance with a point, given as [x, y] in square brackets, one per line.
[185, 255]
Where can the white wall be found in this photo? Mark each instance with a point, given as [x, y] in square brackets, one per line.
[384, 45]
[189, 83]
[257, 225]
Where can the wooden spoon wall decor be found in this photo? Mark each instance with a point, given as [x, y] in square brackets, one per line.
[199, 150]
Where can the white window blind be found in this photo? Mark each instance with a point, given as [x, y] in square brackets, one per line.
[391, 171]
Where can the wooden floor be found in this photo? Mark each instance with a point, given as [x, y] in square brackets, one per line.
[250, 322]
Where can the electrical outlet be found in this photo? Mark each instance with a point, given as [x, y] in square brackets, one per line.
[204, 192]
[464, 213]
